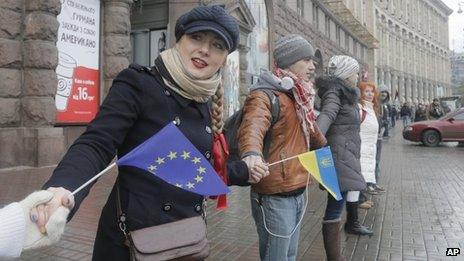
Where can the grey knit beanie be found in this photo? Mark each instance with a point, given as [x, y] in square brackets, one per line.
[290, 49]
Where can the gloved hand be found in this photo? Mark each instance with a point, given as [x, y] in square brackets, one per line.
[54, 227]
[257, 168]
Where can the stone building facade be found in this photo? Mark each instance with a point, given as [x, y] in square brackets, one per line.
[28, 55]
[413, 59]
[457, 69]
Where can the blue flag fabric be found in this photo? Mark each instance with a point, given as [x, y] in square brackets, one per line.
[169, 155]
[319, 163]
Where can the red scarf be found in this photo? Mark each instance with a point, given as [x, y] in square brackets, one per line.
[304, 96]
[220, 155]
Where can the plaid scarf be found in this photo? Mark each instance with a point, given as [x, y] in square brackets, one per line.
[304, 96]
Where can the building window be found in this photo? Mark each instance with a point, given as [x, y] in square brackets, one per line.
[315, 15]
[327, 25]
[337, 35]
[347, 42]
[300, 7]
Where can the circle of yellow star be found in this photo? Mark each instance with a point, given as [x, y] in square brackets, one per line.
[172, 155]
[196, 160]
[185, 155]
[199, 179]
[160, 161]
[201, 170]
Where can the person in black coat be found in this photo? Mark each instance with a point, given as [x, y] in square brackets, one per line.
[184, 86]
[421, 113]
[340, 121]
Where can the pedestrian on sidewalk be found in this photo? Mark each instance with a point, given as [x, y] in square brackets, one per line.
[435, 110]
[184, 86]
[370, 111]
[406, 114]
[339, 121]
[385, 111]
[19, 231]
[277, 201]
[421, 113]
[393, 115]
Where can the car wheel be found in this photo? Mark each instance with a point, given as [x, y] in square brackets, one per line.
[431, 138]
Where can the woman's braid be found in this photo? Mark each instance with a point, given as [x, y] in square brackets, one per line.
[217, 110]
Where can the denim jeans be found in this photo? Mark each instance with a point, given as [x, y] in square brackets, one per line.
[282, 215]
[334, 208]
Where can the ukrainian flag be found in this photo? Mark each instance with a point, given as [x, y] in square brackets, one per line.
[321, 166]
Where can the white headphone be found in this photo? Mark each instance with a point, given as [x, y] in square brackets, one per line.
[287, 83]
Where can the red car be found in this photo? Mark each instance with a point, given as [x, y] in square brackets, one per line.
[448, 128]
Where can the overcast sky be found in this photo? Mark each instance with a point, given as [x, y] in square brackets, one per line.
[456, 25]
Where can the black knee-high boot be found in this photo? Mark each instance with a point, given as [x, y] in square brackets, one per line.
[352, 225]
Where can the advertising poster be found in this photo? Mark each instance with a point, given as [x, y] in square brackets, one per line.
[77, 96]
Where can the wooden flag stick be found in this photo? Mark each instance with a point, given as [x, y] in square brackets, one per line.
[277, 162]
[94, 178]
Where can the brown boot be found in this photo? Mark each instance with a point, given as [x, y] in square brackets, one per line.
[331, 235]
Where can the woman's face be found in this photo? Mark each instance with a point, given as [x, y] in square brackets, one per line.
[203, 53]
[304, 69]
[353, 80]
[368, 94]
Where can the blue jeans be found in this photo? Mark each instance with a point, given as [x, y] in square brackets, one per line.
[334, 208]
[282, 215]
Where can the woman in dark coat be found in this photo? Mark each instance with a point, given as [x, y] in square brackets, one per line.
[142, 101]
[339, 120]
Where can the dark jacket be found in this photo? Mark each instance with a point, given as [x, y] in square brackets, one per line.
[137, 106]
[405, 111]
[435, 111]
[340, 122]
[421, 115]
[287, 137]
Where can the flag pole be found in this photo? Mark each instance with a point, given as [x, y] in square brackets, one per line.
[94, 178]
[277, 162]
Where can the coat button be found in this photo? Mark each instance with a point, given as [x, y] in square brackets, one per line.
[167, 93]
[177, 120]
[198, 208]
[167, 207]
[208, 129]
[208, 155]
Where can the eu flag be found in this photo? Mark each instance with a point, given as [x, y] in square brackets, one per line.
[321, 166]
[169, 155]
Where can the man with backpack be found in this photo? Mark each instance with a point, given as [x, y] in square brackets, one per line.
[277, 200]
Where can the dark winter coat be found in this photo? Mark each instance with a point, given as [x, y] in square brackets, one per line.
[340, 121]
[137, 106]
[405, 111]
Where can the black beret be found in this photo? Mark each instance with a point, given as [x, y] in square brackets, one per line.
[209, 18]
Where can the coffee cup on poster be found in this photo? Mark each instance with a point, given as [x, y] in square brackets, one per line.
[64, 73]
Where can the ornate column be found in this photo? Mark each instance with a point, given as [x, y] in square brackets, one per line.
[401, 88]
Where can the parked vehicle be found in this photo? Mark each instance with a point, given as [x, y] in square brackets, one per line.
[448, 128]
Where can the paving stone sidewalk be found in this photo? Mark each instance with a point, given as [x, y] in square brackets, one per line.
[420, 216]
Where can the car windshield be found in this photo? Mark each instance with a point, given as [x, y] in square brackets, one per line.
[453, 113]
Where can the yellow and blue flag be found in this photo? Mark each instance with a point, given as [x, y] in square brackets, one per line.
[169, 155]
[321, 166]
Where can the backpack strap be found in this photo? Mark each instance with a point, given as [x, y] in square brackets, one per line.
[275, 113]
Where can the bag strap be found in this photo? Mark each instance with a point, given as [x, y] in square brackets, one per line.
[121, 216]
[275, 113]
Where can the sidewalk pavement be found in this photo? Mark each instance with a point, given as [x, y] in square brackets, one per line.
[420, 216]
